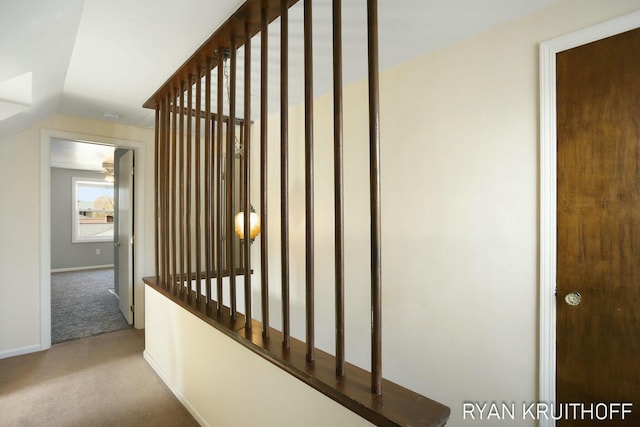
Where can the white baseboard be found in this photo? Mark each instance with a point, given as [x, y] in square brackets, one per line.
[21, 351]
[89, 267]
[199, 418]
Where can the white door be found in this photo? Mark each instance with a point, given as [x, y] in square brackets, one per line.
[124, 241]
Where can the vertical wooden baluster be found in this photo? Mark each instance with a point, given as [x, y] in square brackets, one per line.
[212, 207]
[189, 179]
[264, 112]
[241, 193]
[165, 191]
[220, 189]
[247, 183]
[162, 190]
[159, 187]
[338, 184]
[156, 198]
[241, 187]
[207, 181]
[374, 179]
[284, 168]
[173, 214]
[198, 160]
[230, 176]
[181, 164]
[308, 130]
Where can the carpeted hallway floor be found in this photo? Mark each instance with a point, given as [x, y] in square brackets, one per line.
[82, 306]
[97, 381]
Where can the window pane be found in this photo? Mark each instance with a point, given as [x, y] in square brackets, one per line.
[95, 204]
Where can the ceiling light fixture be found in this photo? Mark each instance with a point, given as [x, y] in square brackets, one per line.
[111, 116]
[109, 171]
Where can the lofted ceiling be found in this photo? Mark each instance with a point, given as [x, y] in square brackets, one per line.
[104, 59]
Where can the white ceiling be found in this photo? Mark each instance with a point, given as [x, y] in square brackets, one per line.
[80, 155]
[91, 57]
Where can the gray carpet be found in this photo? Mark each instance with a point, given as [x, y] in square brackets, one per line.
[82, 306]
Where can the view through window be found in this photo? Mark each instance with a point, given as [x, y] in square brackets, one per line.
[93, 206]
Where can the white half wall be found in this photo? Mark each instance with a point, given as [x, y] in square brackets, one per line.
[222, 383]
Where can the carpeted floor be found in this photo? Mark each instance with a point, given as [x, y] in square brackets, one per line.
[96, 381]
[82, 306]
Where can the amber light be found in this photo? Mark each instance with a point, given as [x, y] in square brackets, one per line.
[254, 224]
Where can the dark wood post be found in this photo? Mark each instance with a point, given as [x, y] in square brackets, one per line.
[189, 180]
[219, 188]
[198, 162]
[374, 180]
[338, 184]
[247, 175]
[230, 174]
[264, 114]
[181, 177]
[207, 182]
[308, 133]
[173, 214]
[165, 190]
[156, 198]
[284, 168]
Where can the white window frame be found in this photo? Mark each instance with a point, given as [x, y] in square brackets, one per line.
[74, 212]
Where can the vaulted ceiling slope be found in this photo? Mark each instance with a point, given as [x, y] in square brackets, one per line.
[91, 57]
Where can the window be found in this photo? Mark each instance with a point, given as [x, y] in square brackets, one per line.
[92, 210]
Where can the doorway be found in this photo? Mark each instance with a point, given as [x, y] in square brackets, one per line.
[138, 221]
[91, 210]
[554, 308]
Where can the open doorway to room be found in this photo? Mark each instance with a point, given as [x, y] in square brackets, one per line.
[91, 239]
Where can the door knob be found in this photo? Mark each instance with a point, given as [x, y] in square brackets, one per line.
[573, 298]
[117, 244]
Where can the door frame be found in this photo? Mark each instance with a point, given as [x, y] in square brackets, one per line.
[548, 182]
[45, 223]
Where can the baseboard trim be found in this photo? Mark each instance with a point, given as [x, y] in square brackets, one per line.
[88, 267]
[21, 351]
[199, 418]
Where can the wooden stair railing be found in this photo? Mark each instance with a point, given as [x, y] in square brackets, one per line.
[198, 190]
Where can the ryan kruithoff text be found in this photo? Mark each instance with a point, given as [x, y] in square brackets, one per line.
[546, 411]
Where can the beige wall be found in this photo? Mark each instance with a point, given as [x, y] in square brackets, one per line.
[20, 248]
[20, 224]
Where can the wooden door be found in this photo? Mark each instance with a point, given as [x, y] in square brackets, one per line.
[598, 217]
